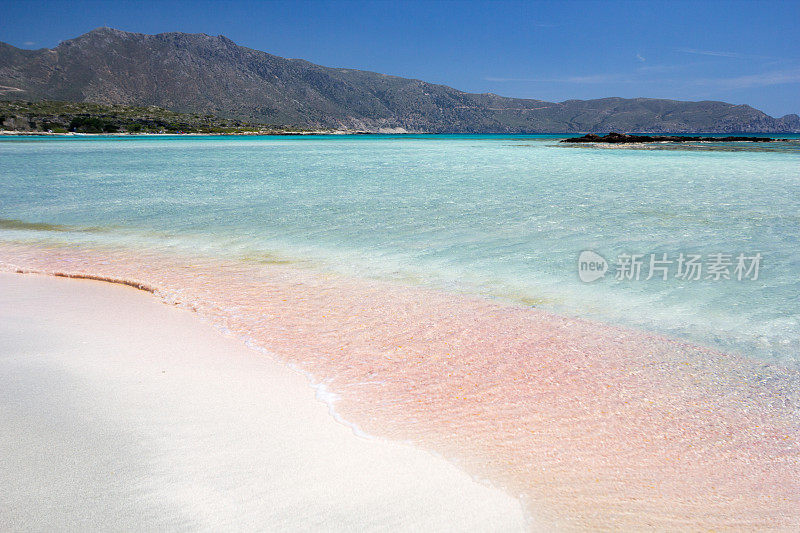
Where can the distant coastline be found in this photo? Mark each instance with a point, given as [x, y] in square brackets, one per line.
[16, 133]
[312, 133]
[60, 118]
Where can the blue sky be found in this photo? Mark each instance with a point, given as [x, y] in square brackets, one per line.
[740, 52]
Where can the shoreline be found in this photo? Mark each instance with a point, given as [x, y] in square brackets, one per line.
[232, 134]
[266, 133]
[127, 394]
[388, 354]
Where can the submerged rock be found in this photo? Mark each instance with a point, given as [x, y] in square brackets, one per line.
[618, 138]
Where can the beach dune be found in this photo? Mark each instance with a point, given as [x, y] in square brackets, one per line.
[121, 413]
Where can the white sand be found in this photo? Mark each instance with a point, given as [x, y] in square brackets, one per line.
[120, 413]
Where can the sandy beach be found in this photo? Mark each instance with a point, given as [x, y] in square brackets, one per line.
[121, 413]
[594, 428]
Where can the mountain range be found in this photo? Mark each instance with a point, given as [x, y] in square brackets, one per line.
[198, 73]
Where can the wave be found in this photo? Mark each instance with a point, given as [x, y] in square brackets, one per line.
[594, 426]
[16, 224]
[107, 279]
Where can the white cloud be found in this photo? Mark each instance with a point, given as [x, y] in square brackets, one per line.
[594, 78]
[775, 77]
[715, 53]
[649, 75]
[666, 68]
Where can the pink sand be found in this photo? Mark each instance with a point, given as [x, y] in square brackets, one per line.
[595, 427]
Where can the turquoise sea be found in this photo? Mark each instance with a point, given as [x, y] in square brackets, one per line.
[610, 335]
[500, 216]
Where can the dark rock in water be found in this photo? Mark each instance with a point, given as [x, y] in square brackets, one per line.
[621, 138]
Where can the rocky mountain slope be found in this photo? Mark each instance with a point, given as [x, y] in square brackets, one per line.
[198, 73]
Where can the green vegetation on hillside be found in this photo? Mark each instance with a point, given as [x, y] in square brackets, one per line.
[62, 117]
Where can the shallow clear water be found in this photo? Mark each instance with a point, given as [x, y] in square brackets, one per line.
[366, 262]
[504, 216]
